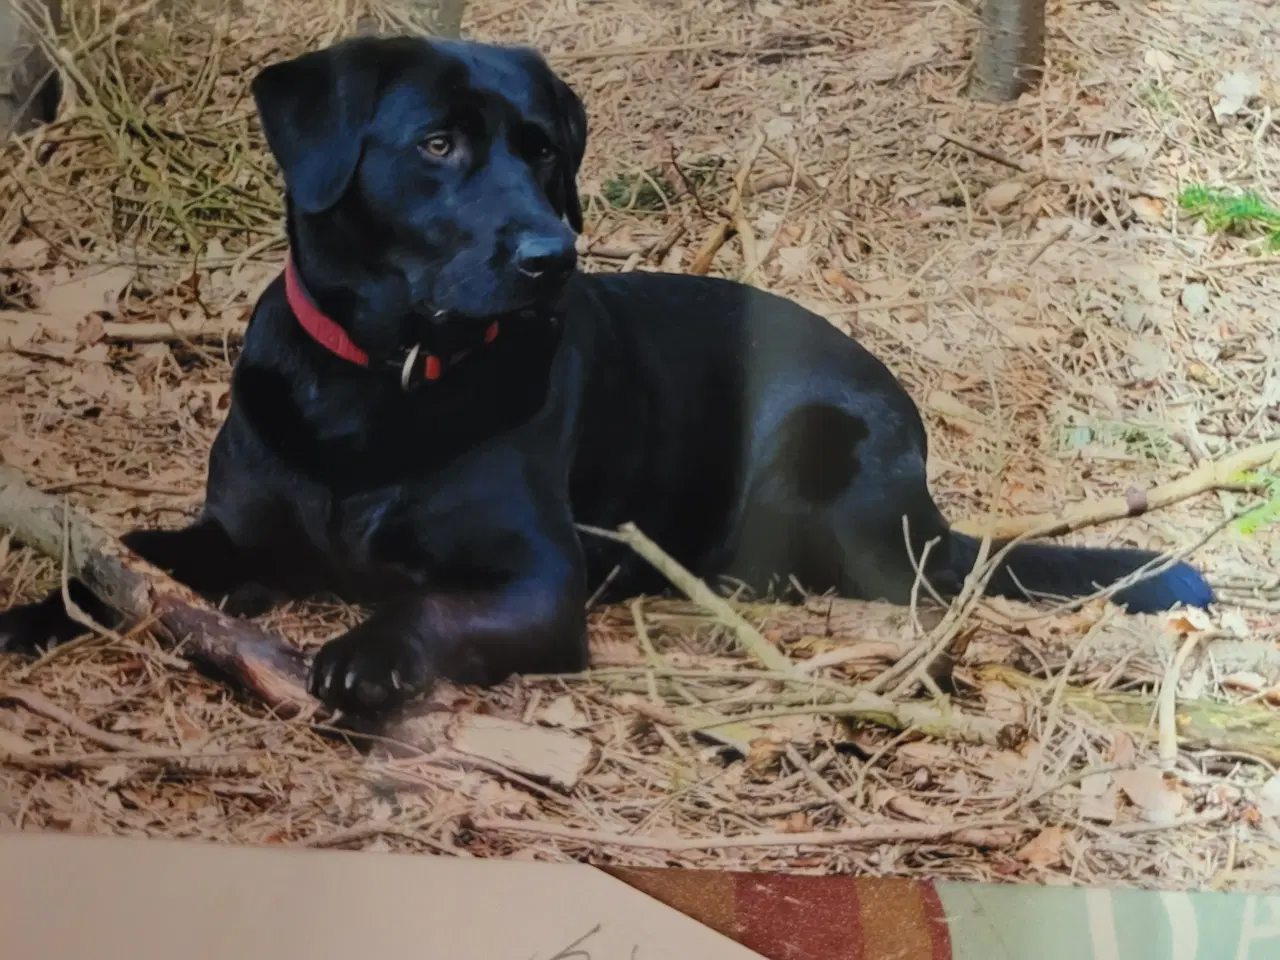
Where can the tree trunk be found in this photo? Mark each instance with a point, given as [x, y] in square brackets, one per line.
[1010, 56]
[442, 18]
[29, 87]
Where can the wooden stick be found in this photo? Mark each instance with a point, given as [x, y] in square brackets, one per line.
[752, 641]
[165, 332]
[873, 833]
[1248, 728]
[1210, 475]
[264, 665]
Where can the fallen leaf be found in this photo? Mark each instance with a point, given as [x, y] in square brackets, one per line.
[794, 260]
[1002, 195]
[957, 413]
[1045, 848]
[14, 745]
[1147, 789]
[1003, 702]
[1127, 148]
[838, 279]
[1195, 298]
[66, 304]
[25, 255]
[1190, 620]
[112, 774]
[1147, 209]
[1236, 90]
[1123, 753]
[778, 128]
[1269, 797]
[1098, 798]
[796, 823]
[562, 712]
[1236, 624]
[1200, 373]
[1148, 358]
[764, 755]
[914, 809]
[1158, 59]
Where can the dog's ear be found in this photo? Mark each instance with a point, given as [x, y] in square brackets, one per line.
[315, 110]
[573, 130]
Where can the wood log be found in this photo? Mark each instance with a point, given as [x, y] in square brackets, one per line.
[265, 666]
[29, 86]
[1010, 55]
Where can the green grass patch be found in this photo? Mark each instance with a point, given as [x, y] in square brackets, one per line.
[1137, 440]
[1244, 213]
[1265, 514]
[651, 190]
[1158, 97]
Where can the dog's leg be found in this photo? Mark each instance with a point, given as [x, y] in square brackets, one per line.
[530, 625]
[201, 556]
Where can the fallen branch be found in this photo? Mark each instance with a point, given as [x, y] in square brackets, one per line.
[264, 665]
[875, 833]
[1247, 728]
[1210, 475]
[935, 720]
[751, 640]
[179, 331]
[939, 722]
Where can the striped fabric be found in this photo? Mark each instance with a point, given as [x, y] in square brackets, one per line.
[849, 918]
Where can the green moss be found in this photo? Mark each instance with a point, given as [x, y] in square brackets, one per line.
[1245, 213]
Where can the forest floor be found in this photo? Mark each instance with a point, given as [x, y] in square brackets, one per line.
[1076, 319]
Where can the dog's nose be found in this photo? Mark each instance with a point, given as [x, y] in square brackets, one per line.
[543, 257]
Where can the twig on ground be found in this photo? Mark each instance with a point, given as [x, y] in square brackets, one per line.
[1167, 704]
[872, 833]
[42, 706]
[751, 640]
[1210, 475]
[261, 663]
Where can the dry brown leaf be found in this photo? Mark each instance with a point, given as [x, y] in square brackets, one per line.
[65, 304]
[987, 837]
[838, 279]
[913, 809]
[1123, 753]
[1148, 209]
[562, 712]
[13, 744]
[112, 774]
[1045, 848]
[1269, 797]
[957, 414]
[765, 754]
[1002, 196]
[798, 822]
[1099, 798]
[1003, 702]
[1147, 789]
[925, 753]
[1190, 620]
[28, 254]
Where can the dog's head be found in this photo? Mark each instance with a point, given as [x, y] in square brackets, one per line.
[440, 174]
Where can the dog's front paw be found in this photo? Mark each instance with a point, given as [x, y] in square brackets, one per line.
[30, 629]
[369, 670]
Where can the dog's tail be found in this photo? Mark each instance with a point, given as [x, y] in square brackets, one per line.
[1032, 569]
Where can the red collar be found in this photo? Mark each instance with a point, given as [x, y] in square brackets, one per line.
[333, 338]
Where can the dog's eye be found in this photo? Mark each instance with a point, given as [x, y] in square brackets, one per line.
[437, 146]
[544, 153]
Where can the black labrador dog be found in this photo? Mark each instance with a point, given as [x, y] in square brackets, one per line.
[431, 397]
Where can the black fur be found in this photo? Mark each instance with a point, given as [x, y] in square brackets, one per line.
[745, 434]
